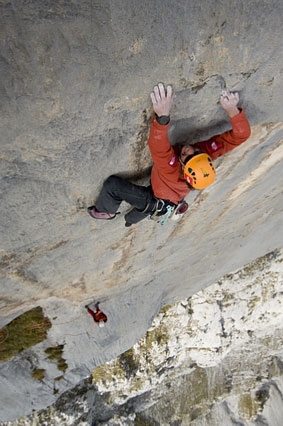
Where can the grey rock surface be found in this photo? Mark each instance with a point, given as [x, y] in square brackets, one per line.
[213, 359]
[75, 107]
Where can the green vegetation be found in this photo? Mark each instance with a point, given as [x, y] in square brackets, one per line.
[248, 406]
[158, 335]
[38, 373]
[140, 420]
[55, 354]
[128, 363]
[23, 332]
[108, 373]
[165, 309]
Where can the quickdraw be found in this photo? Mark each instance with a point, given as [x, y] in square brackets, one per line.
[172, 211]
[165, 217]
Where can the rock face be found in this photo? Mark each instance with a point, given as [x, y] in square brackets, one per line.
[213, 359]
[75, 83]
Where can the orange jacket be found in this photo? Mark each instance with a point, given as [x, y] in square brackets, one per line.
[167, 178]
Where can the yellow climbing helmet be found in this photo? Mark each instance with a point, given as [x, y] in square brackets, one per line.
[199, 171]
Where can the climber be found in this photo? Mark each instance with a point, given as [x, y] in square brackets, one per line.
[98, 316]
[176, 169]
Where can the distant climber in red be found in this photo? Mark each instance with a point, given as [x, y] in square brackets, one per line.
[98, 316]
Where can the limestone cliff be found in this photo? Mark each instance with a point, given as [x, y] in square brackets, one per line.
[213, 359]
[75, 107]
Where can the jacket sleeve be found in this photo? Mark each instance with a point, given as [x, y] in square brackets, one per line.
[161, 150]
[220, 144]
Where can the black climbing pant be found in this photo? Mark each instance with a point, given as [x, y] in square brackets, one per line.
[116, 189]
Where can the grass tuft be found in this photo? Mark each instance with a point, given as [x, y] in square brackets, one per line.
[23, 332]
[55, 354]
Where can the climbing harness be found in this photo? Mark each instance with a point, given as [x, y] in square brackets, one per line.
[160, 208]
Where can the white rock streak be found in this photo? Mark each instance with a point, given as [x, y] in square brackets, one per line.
[239, 313]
